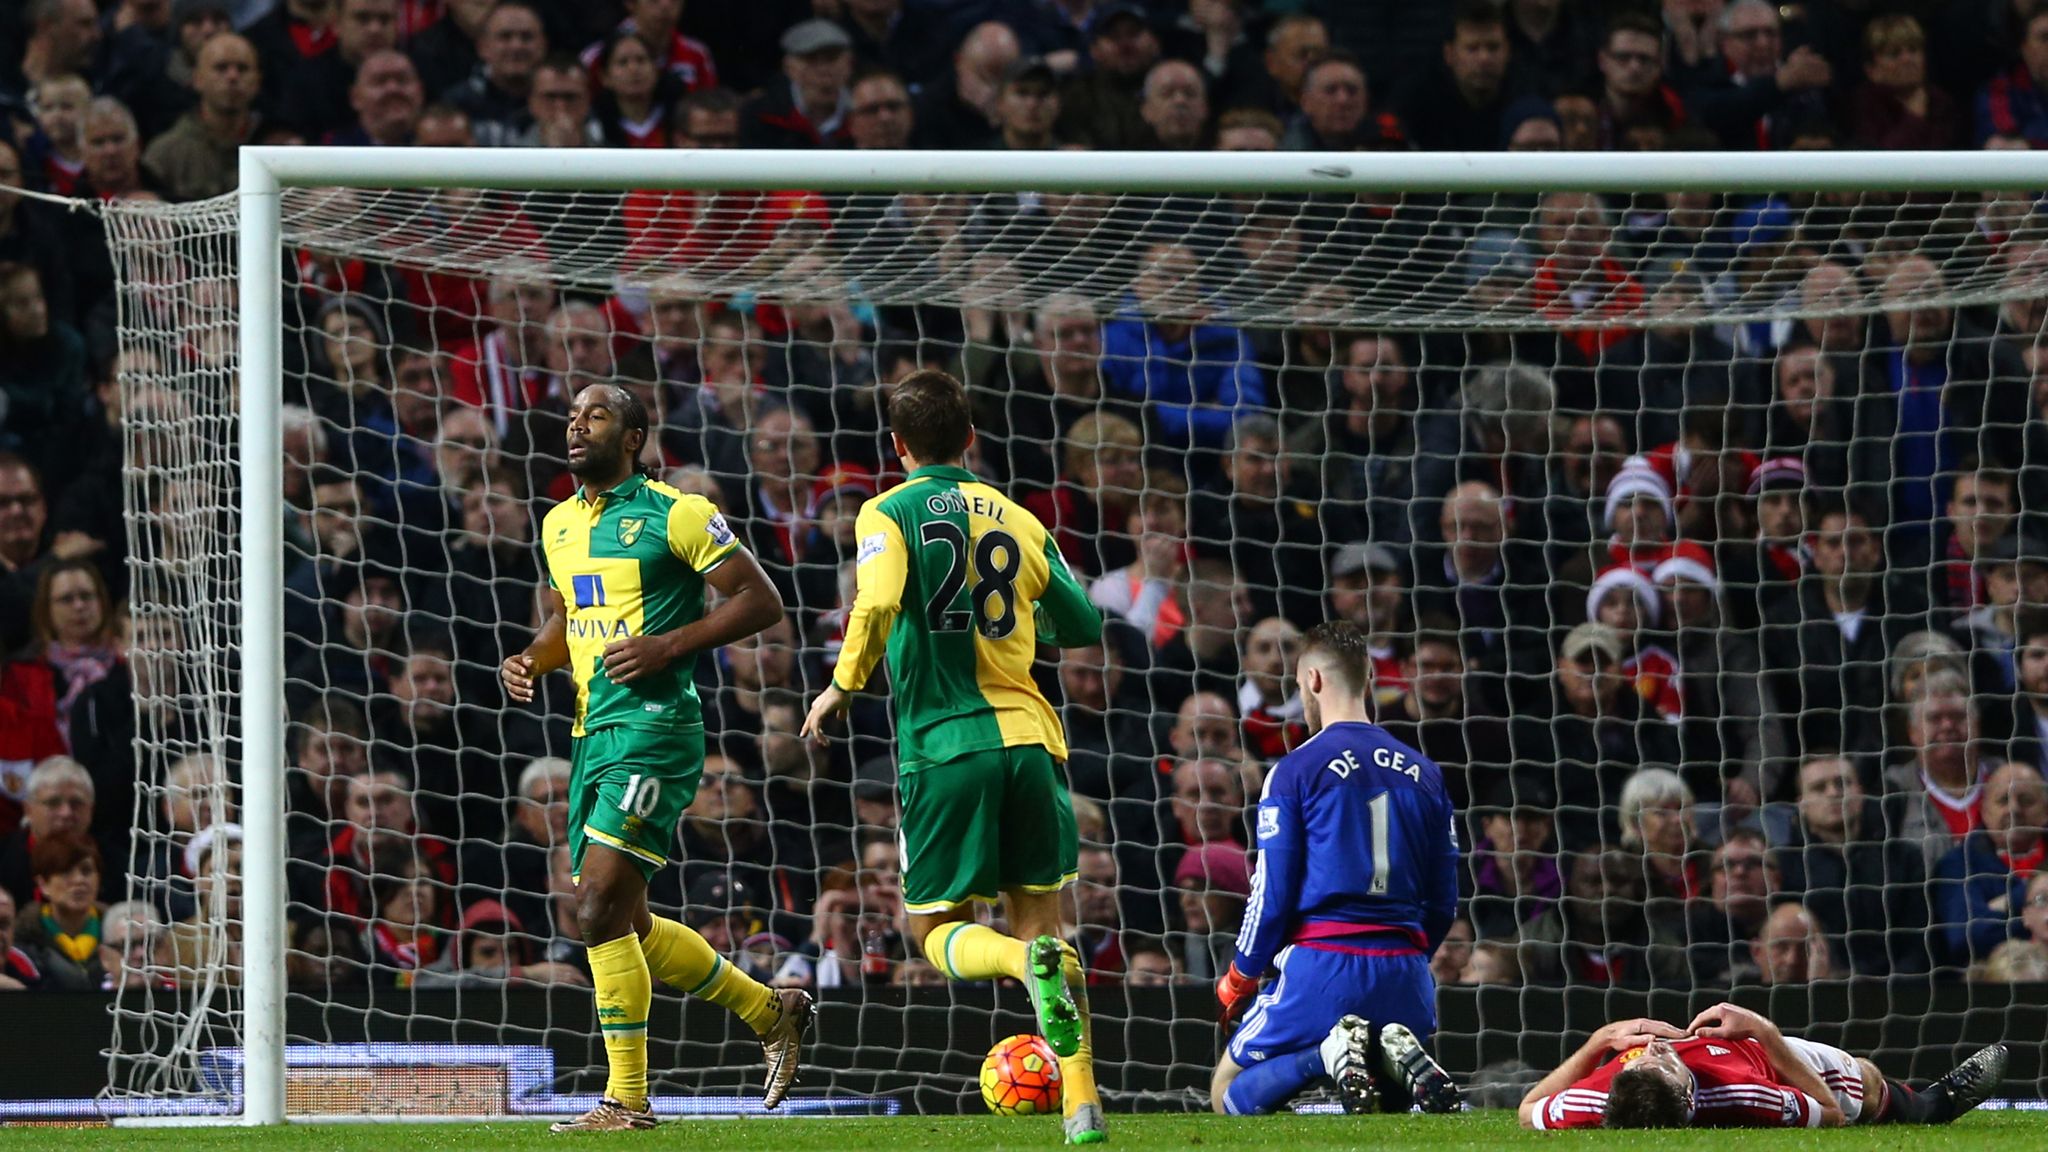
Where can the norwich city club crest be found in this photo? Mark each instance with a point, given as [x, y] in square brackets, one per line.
[629, 530]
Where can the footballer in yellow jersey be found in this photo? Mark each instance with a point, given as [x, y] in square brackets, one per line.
[957, 586]
[627, 562]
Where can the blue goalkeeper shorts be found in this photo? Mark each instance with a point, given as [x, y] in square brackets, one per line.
[1317, 987]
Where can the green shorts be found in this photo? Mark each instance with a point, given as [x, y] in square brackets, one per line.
[983, 824]
[628, 788]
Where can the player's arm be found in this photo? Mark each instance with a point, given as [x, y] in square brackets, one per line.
[880, 571]
[1731, 1022]
[748, 601]
[1620, 1036]
[549, 650]
[1440, 883]
[1276, 891]
[1067, 618]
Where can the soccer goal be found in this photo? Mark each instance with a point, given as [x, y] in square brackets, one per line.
[1469, 402]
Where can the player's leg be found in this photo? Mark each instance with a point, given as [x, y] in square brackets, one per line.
[661, 773]
[1040, 858]
[1296, 1032]
[611, 896]
[1968, 1085]
[949, 841]
[1401, 994]
[1841, 1072]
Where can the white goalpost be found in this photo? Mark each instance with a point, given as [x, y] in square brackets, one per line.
[232, 1059]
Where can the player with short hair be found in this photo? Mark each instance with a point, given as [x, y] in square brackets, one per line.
[958, 586]
[1357, 884]
[626, 562]
[1734, 1069]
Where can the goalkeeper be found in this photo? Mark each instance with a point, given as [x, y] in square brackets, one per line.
[627, 560]
[959, 585]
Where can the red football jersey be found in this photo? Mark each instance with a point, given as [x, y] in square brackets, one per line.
[1735, 1087]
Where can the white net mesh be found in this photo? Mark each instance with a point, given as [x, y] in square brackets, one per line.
[1784, 449]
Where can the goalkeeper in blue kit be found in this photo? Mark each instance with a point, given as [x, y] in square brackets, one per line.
[1356, 885]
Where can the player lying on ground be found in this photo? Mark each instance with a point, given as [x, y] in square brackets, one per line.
[1357, 883]
[985, 807]
[626, 561]
[1734, 1069]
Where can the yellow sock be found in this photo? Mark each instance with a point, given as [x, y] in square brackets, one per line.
[1077, 1072]
[963, 951]
[624, 992]
[680, 958]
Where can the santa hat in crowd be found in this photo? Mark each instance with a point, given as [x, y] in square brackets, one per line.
[1622, 576]
[1689, 561]
[1637, 478]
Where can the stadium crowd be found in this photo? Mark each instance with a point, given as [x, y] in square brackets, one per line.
[1732, 641]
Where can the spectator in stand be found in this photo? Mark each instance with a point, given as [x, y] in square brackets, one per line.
[959, 109]
[1657, 821]
[135, 948]
[1203, 657]
[1294, 42]
[1274, 536]
[58, 799]
[1491, 586]
[750, 670]
[1442, 713]
[446, 51]
[1634, 94]
[1554, 41]
[1740, 881]
[513, 43]
[113, 153]
[898, 35]
[1053, 385]
[43, 394]
[1596, 934]
[1823, 651]
[2034, 914]
[1151, 593]
[31, 234]
[1372, 443]
[329, 743]
[1515, 880]
[1791, 949]
[558, 107]
[1982, 504]
[2015, 572]
[1027, 107]
[1764, 91]
[1213, 883]
[195, 160]
[2013, 104]
[62, 928]
[684, 64]
[1896, 106]
[387, 98]
[1980, 886]
[331, 894]
[408, 923]
[808, 108]
[1175, 106]
[287, 38]
[1163, 350]
[451, 752]
[1269, 700]
[1107, 736]
[58, 148]
[316, 93]
[1208, 803]
[1336, 108]
[724, 833]
[1599, 727]
[879, 112]
[1808, 417]
[73, 621]
[1369, 587]
[1458, 106]
[1096, 494]
[1578, 276]
[1865, 889]
[1934, 786]
[1100, 105]
[63, 36]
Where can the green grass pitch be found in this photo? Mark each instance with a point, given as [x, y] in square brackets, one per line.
[1476, 1132]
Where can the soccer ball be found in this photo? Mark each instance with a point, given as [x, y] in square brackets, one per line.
[1021, 1078]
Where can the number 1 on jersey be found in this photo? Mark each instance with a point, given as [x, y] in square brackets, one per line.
[1379, 806]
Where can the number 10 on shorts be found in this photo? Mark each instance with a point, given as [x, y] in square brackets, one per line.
[642, 795]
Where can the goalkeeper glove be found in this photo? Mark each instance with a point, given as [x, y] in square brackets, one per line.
[1234, 991]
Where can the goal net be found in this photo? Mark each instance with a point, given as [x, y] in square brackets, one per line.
[1696, 531]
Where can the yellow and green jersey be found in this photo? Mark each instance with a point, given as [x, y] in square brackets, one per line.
[959, 585]
[631, 562]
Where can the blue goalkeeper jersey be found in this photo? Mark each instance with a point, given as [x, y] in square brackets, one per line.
[1358, 851]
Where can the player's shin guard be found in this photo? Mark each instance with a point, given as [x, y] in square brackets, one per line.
[681, 959]
[624, 988]
[964, 951]
[1268, 1085]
